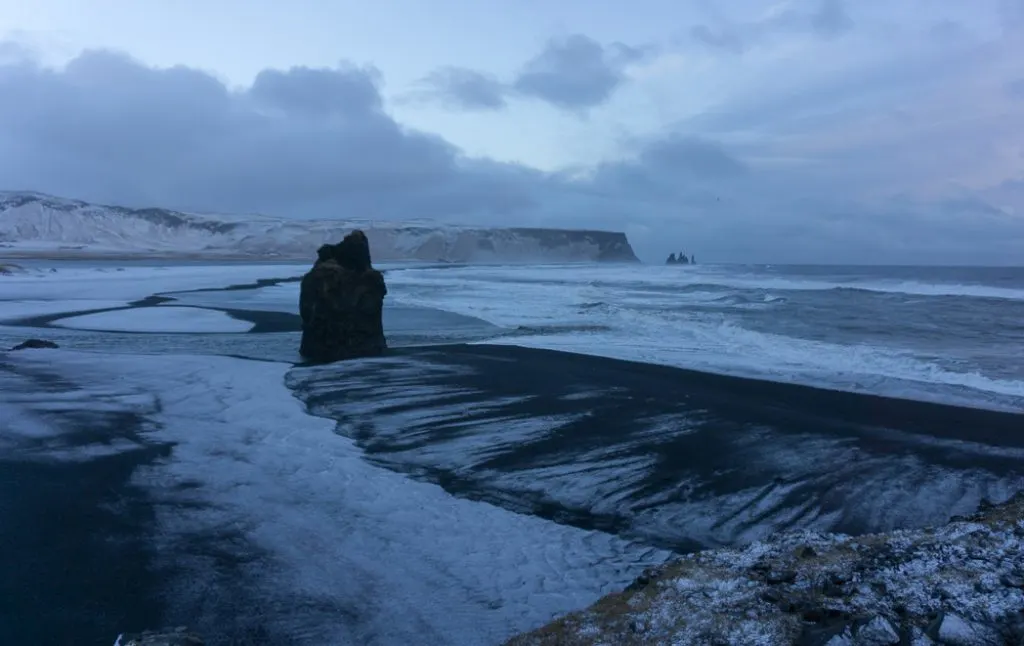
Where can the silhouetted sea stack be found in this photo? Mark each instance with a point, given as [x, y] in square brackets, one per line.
[32, 344]
[341, 303]
[681, 259]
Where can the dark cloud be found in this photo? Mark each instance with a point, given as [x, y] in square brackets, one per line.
[831, 19]
[576, 72]
[1011, 13]
[460, 87]
[1015, 89]
[349, 91]
[301, 142]
[826, 19]
[320, 143]
[727, 39]
[573, 73]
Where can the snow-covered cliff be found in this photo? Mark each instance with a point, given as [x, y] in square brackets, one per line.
[32, 223]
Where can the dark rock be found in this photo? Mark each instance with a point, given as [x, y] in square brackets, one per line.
[877, 631]
[640, 582]
[953, 630]
[839, 578]
[1012, 629]
[671, 259]
[835, 634]
[771, 595]
[35, 344]
[830, 589]
[341, 303]
[806, 552]
[1013, 580]
[761, 566]
[776, 577]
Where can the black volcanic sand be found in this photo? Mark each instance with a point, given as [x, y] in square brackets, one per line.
[74, 556]
[673, 458]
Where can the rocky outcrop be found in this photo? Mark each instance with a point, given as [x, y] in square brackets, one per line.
[34, 344]
[341, 303]
[961, 584]
[681, 259]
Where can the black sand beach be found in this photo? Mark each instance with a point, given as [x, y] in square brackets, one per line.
[671, 458]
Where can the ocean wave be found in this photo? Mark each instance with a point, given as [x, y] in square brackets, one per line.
[911, 288]
[720, 321]
[724, 347]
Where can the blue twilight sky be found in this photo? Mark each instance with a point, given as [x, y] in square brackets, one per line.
[740, 130]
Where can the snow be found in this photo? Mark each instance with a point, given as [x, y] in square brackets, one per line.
[157, 319]
[126, 283]
[386, 560]
[904, 578]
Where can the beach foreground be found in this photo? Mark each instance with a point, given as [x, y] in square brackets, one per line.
[174, 462]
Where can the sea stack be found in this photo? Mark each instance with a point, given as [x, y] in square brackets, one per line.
[341, 303]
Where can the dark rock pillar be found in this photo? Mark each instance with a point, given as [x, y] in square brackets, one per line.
[341, 303]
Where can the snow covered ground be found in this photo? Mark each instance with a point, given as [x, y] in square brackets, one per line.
[157, 319]
[336, 550]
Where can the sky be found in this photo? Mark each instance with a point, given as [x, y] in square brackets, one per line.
[744, 131]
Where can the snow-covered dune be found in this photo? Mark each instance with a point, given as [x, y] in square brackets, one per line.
[37, 224]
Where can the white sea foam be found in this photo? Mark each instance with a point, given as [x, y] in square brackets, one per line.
[75, 283]
[630, 313]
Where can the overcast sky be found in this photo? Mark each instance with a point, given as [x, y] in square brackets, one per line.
[802, 130]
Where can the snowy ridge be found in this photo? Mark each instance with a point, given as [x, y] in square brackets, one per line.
[37, 224]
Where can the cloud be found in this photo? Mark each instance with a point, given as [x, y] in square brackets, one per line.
[298, 142]
[886, 162]
[463, 88]
[1015, 89]
[574, 73]
[831, 19]
[828, 19]
[348, 91]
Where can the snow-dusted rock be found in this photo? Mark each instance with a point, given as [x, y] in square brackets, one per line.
[954, 585]
[32, 223]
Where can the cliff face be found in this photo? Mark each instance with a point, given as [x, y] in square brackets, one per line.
[34, 224]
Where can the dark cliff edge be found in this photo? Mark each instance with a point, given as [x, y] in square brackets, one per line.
[68, 228]
[613, 246]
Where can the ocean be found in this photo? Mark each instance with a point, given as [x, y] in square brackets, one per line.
[535, 438]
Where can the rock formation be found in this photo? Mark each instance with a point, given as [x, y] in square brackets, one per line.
[341, 303]
[960, 584]
[33, 344]
[681, 259]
